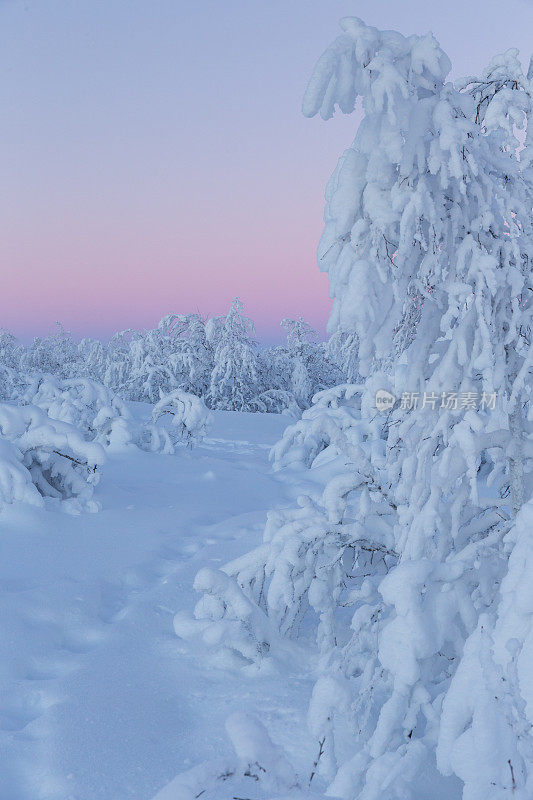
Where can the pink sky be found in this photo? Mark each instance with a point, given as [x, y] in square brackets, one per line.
[154, 157]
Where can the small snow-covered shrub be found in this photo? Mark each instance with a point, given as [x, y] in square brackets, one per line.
[258, 765]
[225, 618]
[155, 439]
[331, 423]
[190, 420]
[16, 484]
[88, 405]
[49, 454]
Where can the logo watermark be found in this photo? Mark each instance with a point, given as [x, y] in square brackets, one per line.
[384, 400]
[450, 401]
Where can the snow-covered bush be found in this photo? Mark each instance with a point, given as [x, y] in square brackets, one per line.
[331, 424]
[226, 619]
[45, 458]
[189, 419]
[258, 766]
[16, 485]
[92, 408]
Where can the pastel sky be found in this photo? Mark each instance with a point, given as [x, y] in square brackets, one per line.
[154, 157]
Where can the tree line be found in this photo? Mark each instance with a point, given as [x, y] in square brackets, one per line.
[217, 359]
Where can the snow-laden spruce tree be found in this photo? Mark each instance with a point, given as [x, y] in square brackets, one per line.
[191, 354]
[235, 380]
[428, 245]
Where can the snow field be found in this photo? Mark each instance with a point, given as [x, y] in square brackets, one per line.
[99, 698]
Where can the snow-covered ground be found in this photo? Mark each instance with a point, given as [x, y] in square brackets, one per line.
[99, 699]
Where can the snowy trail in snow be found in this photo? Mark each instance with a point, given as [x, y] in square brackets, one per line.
[99, 700]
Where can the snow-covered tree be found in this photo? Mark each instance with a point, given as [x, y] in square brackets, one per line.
[235, 380]
[301, 345]
[57, 354]
[12, 358]
[191, 354]
[118, 364]
[151, 368]
[451, 257]
[428, 245]
[310, 369]
[296, 370]
[95, 357]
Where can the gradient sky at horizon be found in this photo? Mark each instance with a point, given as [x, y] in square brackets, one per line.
[154, 157]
